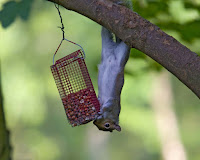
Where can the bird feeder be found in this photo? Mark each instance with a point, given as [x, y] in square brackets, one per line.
[75, 88]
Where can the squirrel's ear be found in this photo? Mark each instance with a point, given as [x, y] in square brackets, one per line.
[117, 127]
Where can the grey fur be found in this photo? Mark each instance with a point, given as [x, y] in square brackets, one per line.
[111, 75]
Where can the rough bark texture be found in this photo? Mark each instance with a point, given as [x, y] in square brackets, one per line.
[139, 33]
[5, 149]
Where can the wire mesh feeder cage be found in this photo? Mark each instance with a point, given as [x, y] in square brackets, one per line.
[75, 88]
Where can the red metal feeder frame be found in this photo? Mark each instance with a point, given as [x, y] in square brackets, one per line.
[75, 88]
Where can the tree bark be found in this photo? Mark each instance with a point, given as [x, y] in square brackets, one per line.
[139, 33]
[5, 148]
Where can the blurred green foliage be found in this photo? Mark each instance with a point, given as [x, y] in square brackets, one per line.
[34, 112]
[12, 9]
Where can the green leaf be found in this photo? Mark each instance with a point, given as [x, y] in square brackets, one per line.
[9, 13]
[12, 9]
[24, 9]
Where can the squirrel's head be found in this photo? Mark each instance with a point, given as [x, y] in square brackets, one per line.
[106, 124]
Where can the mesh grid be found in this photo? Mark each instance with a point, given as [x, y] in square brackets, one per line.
[75, 88]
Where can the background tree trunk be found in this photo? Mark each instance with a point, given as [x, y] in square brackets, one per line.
[139, 33]
[97, 142]
[5, 148]
[162, 104]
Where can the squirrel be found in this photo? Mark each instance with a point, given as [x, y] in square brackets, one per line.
[111, 80]
[115, 54]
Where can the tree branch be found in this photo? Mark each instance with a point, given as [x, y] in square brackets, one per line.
[139, 33]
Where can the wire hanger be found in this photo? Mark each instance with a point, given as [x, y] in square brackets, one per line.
[63, 34]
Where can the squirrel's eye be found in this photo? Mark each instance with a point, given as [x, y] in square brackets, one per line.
[107, 125]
